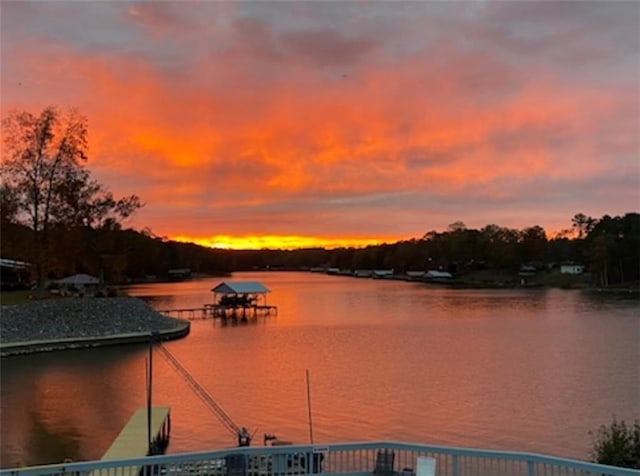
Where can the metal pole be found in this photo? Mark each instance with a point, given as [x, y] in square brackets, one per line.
[149, 395]
[309, 408]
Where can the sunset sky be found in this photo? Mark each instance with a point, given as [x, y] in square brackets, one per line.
[284, 124]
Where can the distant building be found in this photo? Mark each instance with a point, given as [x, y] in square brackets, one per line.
[178, 274]
[13, 274]
[527, 270]
[363, 273]
[571, 269]
[435, 274]
[382, 273]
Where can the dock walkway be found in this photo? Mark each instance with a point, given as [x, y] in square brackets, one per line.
[212, 311]
[132, 442]
[221, 310]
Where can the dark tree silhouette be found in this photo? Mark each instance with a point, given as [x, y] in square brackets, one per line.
[45, 183]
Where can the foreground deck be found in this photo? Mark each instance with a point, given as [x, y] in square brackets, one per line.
[132, 443]
[349, 459]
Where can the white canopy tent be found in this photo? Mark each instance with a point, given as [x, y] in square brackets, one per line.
[80, 279]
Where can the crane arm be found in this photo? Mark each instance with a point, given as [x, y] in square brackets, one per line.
[202, 393]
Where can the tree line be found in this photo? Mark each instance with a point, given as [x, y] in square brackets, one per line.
[54, 215]
[609, 248]
[610, 251]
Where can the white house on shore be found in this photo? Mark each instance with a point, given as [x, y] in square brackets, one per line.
[436, 274]
[363, 273]
[571, 269]
[382, 273]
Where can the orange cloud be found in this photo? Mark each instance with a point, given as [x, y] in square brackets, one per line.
[231, 119]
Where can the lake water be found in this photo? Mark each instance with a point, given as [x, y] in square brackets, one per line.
[521, 370]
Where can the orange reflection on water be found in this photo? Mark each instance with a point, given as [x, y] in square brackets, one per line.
[60, 406]
[389, 360]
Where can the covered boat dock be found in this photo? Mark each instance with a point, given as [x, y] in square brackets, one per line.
[242, 299]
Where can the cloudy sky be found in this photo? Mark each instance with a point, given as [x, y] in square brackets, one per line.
[330, 122]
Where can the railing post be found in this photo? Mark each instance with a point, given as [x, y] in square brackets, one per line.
[347, 459]
[531, 470]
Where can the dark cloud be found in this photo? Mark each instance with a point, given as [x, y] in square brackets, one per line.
[420, 158]
[159, 16]
[568, 33]
[326, 47]
[256, 38]
[556, 136]
[244, 170]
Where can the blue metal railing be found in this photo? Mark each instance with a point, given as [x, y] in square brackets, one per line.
[351, 459]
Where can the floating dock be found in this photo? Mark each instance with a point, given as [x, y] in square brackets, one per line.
[209, 311]
[240, 311]
[132, 442]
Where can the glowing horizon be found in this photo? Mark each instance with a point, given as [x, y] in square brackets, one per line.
[275, 242]
[293, 242]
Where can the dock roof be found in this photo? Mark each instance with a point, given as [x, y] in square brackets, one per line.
[240, 287]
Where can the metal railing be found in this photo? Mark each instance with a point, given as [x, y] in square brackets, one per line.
[352, 459]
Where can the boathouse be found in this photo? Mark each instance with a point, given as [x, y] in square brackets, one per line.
[231, 298]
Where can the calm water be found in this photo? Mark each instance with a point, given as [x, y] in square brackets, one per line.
[528, 370]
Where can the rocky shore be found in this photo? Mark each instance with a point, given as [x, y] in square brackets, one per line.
[80, 318]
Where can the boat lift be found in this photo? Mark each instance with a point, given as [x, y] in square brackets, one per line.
[240, 433]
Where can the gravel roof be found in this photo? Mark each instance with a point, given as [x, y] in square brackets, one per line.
[78, 317]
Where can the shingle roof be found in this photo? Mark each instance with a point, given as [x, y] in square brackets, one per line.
[240, 287]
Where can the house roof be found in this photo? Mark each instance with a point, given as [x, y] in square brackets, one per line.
[11, 263]
[415, 273]
[240, 287]
[79, 279]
